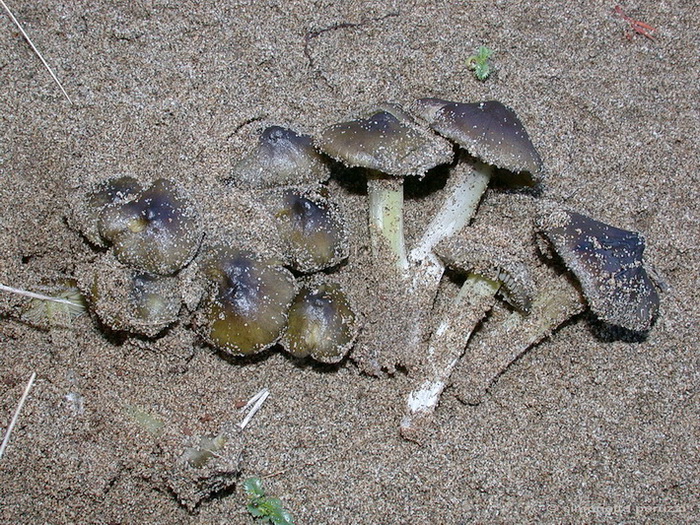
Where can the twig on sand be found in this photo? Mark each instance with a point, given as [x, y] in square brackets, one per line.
[36, 51]
[11, 426]
[254, 405]
[71, 304]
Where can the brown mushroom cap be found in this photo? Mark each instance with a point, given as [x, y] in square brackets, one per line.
[388, 141]
[488, 130]
[607, 262]
[281, 158]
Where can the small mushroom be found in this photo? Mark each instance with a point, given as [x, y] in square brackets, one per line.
[128, 300]
[281, 158]
[313, 230]
[247, 309]
[389, 145]
[608, 263]
[493, 134]
[321, 324]
[154, 231]
[86, 209]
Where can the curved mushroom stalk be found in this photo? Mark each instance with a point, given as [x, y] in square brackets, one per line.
[466, 186]
[475, 298]
[493, 261]
[507, 334]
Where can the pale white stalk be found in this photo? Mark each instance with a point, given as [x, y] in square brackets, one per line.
[446, 347]
[386, 216]
[467, 186]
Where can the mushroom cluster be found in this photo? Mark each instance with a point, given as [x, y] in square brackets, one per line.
[240, 282]
[272, 281]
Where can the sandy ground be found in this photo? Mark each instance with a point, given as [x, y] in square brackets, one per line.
[585, 427]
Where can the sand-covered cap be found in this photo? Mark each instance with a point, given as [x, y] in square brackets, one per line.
[607, 262]
[388, 141]
[486, 250]
[488, 130]
[282, 157]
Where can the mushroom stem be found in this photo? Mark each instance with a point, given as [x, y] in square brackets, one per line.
[468, 184]
[504, 338]
[447, 344]
[386, 217]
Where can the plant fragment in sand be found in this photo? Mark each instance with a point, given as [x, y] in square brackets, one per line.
[36, 51]
[269, 509]
[608, 263]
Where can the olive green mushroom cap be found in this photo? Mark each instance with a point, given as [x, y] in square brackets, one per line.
[388, 141]
[312, 229]
[608, 263]
[249, 302]
[488, 130]
[321, 324]
[282, 158]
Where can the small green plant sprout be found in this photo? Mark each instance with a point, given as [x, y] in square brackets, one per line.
[266, 508]
[479, 63]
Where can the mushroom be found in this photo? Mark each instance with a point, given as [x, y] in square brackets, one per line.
[390, 146]
[247, 309]
[153, 230]
[492, 133]
[494, 255]
[282, 158]
[508, 334]
[313, 230]
[321, 324]
[129, 300]
[608, 263]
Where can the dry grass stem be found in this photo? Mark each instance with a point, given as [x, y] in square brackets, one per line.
[11, 426]
[255, 402]
[31, 44]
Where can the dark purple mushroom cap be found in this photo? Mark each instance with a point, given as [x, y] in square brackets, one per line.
[607, 262]
[388, 141]
[488, 130]
[281, 158]
[156, 231]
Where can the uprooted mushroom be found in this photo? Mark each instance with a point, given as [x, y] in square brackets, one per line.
[609, 277]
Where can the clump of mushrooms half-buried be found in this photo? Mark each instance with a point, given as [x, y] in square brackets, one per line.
[236, 286]
[252, 265]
